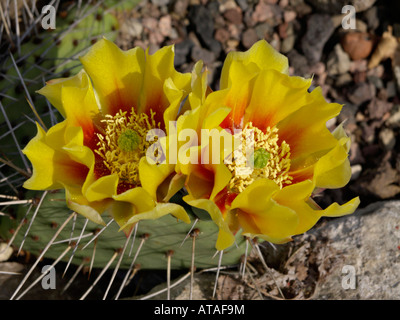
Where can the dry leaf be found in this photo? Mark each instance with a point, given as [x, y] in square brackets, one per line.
[386, 48]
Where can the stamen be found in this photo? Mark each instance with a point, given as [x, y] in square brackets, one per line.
[123, 143]
[271, 160]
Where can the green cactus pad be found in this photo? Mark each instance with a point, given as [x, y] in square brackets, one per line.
[164, 234]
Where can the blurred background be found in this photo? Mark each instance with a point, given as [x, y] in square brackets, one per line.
[352, 53]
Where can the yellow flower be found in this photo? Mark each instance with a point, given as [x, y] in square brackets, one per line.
[293, 152]
[98, 153]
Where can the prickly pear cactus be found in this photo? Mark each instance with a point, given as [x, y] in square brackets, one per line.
[161, 236]
[30, 220]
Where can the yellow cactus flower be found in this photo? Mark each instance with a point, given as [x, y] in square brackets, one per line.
[98, 153]
[293, 151]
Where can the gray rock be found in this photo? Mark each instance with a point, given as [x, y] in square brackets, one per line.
[338, 61]
[387, 138]
[319, 29]
[335, 6]
[365, 243]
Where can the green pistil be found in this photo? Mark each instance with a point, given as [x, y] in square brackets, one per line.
[129, 140]
[260, 157]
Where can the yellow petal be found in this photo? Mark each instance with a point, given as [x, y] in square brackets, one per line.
[333, 169]
[51, 168]
[297, 196]
[81, 107]
[160, 75]
[103, 188]
[305, 130]
[260, 56]
[152, 175]
[199, 86]
[130, 203]
[259, 213]
[225, 236]
[160, 210]
[117, 75]
[275, 96]
[52, 90]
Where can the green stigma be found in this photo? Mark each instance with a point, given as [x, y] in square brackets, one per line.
[260, 158]
[129, 140]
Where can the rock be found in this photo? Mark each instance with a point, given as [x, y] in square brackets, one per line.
[249, 37]
[377, 108]
[384, 182]
[299, 63]
[394, 119]
[199, 53]
[264, 31]
[150, 23]
[338, 61]
[226, 5]
[319, 29]
[356, 156]
[289, 40]
[289, 15]
[243, 4]
[182, 51]
[202, 20]
[387, 138]
[391, 89]
[235, 31]
[180, 7]
[361, 93]
[355, 171]
[302, 9]
[165, 25]
[131, 28]
[365, 243]
[234, 16]
[343, 79]
[222, 35]
[371, 16]
[160, 3]
[262, 12]
[329, 6]
[357, 44]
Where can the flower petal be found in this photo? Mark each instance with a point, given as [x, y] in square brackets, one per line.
[305, 130]
[103, 188]
[260, 56]
[52, 90]
[260, 214]
[160, 74]
[51, 168]
[130, 203]
[160, 210]
[117, 75]
[152, 176]
[81, 107]
[78, 203]
[225, 236]
[297, 197]
[271, 91]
